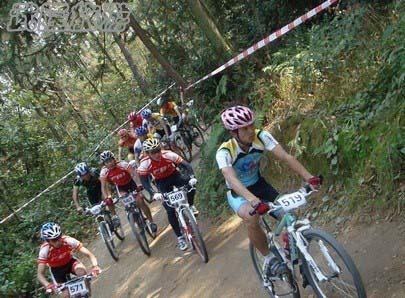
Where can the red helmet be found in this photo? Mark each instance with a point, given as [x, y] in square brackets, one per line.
[237, 117]
[136, 119]
[122, 132]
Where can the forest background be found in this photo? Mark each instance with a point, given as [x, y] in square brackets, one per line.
[330, 91]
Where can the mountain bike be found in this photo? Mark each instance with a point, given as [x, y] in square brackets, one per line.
[177, 199]
[191, 133]
[137, 221]
[177, 144]
[78, 287]
[323, 263]
[192, 117]
[106, 227]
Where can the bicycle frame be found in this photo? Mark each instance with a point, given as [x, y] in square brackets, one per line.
[298, 243]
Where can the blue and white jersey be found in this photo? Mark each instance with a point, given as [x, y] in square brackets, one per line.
[245, 164]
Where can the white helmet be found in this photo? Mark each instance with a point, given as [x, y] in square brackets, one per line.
[81, 169]
[50, 231]
[151, 144]
[106, 155]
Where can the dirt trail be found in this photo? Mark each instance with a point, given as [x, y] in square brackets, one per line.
[378, 250]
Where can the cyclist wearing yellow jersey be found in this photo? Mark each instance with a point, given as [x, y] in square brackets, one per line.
[155, 123]
[239, 159]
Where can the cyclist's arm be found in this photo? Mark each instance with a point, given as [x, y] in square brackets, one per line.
[185, 165]
[292, 162]
[145, 180]
[177, 110]
[75, 196]
[104, 188]
[90, 255]
[41, 274]
[235, 184]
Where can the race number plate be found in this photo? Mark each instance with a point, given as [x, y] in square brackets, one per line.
[128, 200]
[292, 200]
[77, 288]
[177, 197]
[173, 128]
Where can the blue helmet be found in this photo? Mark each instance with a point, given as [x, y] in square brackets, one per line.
[50, 231]
[82, 169]
[141, 131]
[146, 113]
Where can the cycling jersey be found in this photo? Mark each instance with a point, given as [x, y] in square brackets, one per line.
[161, 169]
[155, 121]
[119, 175]
[58, 256]
[127, 143]
[169, 109]
[245, 164]
[93, 186]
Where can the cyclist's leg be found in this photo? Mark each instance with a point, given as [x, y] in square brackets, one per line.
[61, 274]
[171, 216]
[79, 270]
[255, 233]
[179, 180]
[145, 208]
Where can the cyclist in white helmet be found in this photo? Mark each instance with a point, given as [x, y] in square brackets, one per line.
[56, 252]
[239, 159]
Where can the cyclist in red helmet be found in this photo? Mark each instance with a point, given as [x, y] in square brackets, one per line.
[135, 120]
[239, 160]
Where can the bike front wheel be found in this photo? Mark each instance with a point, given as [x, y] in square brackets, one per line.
[197, 135]
[108, 239]
[196, 238]
[342, 277]
[139, 232]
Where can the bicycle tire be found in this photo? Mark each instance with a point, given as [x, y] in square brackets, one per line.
[197, 135]
[152, 235]
[103, 228]
[197, 239]
[310, 235]
[139, 235]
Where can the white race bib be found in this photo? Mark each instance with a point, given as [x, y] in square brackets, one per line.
[128, 200]
[292, 201]
[77, 288]
[177, 197]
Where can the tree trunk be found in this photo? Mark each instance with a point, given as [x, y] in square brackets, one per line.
[109, 57]
[155, 53]
[135, 71]
[209, 28]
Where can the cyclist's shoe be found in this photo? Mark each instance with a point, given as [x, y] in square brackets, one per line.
[272, 267]
[181, 243]
[194, 210]
[116, 221]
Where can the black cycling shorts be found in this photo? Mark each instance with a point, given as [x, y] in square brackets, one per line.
[61, 274]
[131, 186]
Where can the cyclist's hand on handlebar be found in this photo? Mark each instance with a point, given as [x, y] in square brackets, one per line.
[192, 182]
[157, 197]
[315, 182]
[95, 270]
[51, 288]
[260, 208]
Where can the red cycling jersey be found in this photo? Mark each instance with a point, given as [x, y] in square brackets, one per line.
[128, 142]
[119, 175]
[58, 256]
[161, 169]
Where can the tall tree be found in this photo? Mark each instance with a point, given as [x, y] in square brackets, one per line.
[207, 24]
[143, 85]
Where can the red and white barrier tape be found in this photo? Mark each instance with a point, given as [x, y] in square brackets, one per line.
[272, 37]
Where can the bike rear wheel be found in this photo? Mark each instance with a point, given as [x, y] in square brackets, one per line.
[196, 238]
[331, 257]
[139, 232]
[182, 148]
[108, 239]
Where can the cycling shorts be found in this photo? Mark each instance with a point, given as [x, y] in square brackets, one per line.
[261, 189]
[61, 274]
[131, 186]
